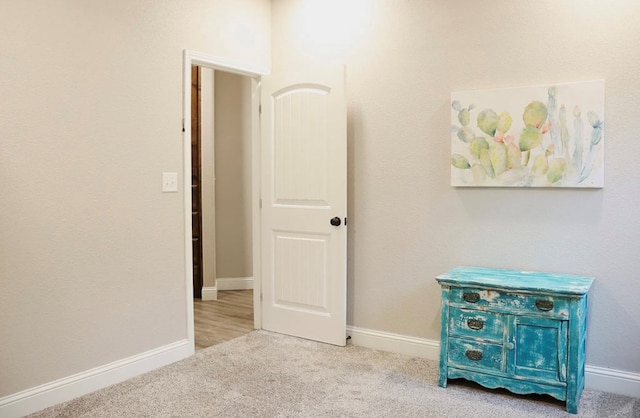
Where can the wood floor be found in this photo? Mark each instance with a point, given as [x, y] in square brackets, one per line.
[229, 317]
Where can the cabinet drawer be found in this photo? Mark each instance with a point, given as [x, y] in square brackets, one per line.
[485, 325]
[475, 354]
[513, 302]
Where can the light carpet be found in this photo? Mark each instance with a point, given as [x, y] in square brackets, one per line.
[265, 374]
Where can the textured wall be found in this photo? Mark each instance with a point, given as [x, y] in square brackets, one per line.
[91, 252]
[233, 175]
[406, 224]
[207, 171]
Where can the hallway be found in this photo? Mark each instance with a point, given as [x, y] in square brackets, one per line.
[229, 317]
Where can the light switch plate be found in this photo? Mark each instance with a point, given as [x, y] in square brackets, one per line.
[169, 182]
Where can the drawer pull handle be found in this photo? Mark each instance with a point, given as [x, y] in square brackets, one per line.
[544, 305]
[471, 297]
[474, 355]
[475, 324]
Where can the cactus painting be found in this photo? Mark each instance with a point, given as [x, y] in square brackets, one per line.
[539, 136]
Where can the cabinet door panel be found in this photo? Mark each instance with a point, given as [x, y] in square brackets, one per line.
[539, 348]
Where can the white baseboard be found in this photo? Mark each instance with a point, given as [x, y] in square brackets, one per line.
[210, 293]
[234, 283]
[65, 389]
[227, 283]
[395, 343]
[611, 380]
[596, 378]
[62, 390]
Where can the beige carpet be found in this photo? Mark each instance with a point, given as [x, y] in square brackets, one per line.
[270, 375]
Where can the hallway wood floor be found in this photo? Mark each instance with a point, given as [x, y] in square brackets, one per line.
[229, 317]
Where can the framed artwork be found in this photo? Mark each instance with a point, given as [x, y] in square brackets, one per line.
[537, 136]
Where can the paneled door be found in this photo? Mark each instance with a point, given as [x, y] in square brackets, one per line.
[304, 204]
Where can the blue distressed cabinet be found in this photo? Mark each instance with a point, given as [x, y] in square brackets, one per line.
[523, 331]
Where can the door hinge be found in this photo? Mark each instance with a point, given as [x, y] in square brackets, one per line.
[183, 125]
[260, 203]
[260, 109]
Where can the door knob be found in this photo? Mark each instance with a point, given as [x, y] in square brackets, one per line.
[335, 221]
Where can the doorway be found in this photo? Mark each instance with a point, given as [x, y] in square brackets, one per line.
[191, 58]
[318, 94]
[221, 205]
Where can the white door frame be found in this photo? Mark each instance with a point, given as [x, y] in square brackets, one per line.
[221, 64]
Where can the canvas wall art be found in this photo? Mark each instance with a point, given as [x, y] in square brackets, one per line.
[537, 136]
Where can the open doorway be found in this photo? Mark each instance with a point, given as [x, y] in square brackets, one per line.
[221, 196]
[321, 94]
[191, 58]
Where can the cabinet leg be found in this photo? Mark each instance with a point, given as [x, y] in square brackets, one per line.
[442, 382]
[572, 406]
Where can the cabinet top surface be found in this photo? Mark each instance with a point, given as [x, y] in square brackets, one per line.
[516, 280]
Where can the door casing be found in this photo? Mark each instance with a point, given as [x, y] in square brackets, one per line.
[221, 64]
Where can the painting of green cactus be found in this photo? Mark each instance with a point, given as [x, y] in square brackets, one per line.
[537, 136]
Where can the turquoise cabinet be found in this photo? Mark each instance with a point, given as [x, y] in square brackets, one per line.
[519, 330]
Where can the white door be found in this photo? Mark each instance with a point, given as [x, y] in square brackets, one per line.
[304, 193]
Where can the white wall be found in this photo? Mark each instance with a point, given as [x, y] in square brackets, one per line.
[91, 252]
[406, 224]
[233, 175]
[207, 168]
